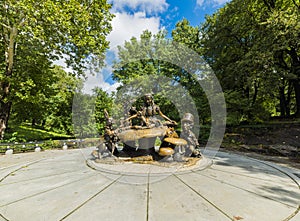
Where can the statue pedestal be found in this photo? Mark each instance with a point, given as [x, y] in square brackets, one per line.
[137, 170]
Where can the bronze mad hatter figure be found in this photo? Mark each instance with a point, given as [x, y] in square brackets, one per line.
[192, 147]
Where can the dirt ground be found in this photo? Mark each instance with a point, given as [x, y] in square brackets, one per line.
[279, 143]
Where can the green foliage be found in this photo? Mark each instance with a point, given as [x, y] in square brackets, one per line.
[185, 34]
[15, 138]
[36, 33]
[103, 101]
[51, 144]
[88, 113]
[47, 100]
[130, 65]
[253, 48]
[83, 116]
[76, 28]
[60, 113]
[156, 65]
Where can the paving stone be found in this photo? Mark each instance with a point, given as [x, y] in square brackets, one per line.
[55, 203]
[60, 185]
[170, 199]
[119, 201]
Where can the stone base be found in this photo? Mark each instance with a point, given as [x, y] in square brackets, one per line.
[145, 165]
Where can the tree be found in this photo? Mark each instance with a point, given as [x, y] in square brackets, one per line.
[253, 67]
[59, 114]
[45, 99]
[83, 115]
[185, 34]
[103, 101]
[74, 30]
[164, 67]
[143, 70]
[281, 22]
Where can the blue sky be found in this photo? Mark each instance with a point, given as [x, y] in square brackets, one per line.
[132, 17]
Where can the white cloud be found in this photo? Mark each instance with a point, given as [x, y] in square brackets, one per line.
[98, 81]
[148, 6]
[200, 2]
[62, 62]
[126, 26]
[220, 2]
[213, 2]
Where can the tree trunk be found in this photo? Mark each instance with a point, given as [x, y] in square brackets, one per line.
[295, 67]
[4, 117]
[282, 102]
[296, 85]
[256, 86]
[43, 123]
[5, 103]
[288, 99]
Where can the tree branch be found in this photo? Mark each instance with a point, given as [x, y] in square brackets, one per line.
[10, 51]
[22, 22]
[5, 26]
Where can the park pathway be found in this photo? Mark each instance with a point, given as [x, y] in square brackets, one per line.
[60, 185]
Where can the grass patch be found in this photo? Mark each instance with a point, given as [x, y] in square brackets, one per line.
[24, 133]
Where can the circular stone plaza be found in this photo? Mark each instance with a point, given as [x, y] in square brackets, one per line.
[69, 185]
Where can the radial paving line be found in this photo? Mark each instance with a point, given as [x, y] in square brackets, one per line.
[148, 197]
[280, 170]
[21, 167]
[41, 177]
[85, 202]
[45, 191]
[272, 165]
[211, 203]
[229, 184]
[13, 165]
[297, 183]
[238, 174]
[1, 216]
[293, 214]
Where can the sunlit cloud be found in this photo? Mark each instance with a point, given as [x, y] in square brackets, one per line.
[125, 26]
[99, 81]
[148, 6]
[203, 3]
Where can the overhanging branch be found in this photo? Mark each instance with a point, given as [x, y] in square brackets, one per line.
[5, 26]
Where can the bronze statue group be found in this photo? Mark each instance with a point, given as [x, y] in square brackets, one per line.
[145, 123]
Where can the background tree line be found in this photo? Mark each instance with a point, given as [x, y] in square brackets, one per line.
[253, 48]
[251, 45]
